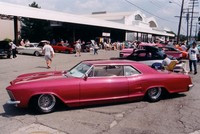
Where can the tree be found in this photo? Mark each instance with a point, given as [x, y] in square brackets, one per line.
[183, 38]
[35, 30]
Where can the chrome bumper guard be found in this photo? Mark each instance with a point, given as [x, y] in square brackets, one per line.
[190, 86]
[11, 102]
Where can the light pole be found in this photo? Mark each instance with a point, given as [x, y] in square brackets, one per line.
[180, 19]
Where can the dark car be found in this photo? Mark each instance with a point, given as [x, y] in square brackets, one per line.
[5, 49]
[86, 47]
[149, 56]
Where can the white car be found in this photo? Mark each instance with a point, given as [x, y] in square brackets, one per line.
[31, 48]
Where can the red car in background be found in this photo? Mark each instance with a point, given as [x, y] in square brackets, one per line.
[94, 82]
[59, 47]
[126, 52]
[172, 52]
[184, 53]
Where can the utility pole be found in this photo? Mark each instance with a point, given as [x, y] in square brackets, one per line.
[187, 18]
[191, 23]
[180, 20]
[196, 31]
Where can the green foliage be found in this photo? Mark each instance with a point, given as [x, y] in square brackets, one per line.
[36, 30]
[7, 39]
[183, 37]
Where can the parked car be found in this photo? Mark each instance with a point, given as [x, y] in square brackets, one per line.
[86, 47]
[31, 48]
[148, 55]
[94, 82]
[184, 53]
[172, 52]
[5, 49]
[125, 52]
[59, 47]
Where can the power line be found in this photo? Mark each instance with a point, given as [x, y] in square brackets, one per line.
[156, 4]
[149, 12]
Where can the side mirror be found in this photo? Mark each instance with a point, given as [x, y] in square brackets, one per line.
[85, 77]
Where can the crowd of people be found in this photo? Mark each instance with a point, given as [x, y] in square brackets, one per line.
[193, 52]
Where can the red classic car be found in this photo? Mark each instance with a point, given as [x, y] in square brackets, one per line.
[125, 52]
[94, 82]
[172, 52]
[62, 48]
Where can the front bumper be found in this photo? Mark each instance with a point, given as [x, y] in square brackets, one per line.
[190, 87]
[11, 102]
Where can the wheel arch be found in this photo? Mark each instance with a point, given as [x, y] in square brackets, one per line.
[34, 96]
[36, 52]
[157, 86]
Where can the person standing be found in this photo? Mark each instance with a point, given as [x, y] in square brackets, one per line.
[48, 54]
[193, 57]
[78, 48]
[96, 48]
[14, 49]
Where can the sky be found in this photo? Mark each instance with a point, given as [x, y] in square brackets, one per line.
[163, 11]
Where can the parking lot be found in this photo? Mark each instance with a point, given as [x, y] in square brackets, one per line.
[176, 114]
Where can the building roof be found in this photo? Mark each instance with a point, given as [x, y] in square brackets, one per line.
[29, 12]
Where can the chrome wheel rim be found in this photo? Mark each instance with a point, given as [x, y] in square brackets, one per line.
[46, 102]
[155, 93]
[37, 54]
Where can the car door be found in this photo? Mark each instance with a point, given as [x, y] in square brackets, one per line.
[60, 47]
[32, 49]
[104, 82]
[135, 81]
[138, 56]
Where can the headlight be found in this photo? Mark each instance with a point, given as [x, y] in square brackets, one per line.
[11, 95]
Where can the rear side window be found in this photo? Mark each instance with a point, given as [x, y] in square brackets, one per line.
[129, 71]
[107, 70]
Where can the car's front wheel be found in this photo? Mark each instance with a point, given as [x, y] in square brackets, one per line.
[45, 103]
[154, 94]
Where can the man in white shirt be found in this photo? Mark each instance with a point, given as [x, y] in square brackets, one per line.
[78, 48]
[14, 49]
[193, 57]
[48, 54]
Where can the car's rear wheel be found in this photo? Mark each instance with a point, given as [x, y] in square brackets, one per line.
[45, 103]
[36, 53]
[154, 94]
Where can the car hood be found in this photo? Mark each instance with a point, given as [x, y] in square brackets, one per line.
[37, 76]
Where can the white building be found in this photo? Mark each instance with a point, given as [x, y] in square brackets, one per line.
[126, 26]
[136, 19]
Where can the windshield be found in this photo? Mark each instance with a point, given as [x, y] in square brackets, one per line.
[66, 44]
[79, 70]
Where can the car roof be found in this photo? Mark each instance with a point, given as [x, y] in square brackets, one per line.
[140, 66]
[106, 61]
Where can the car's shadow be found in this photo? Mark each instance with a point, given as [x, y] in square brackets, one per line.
[12, 111]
